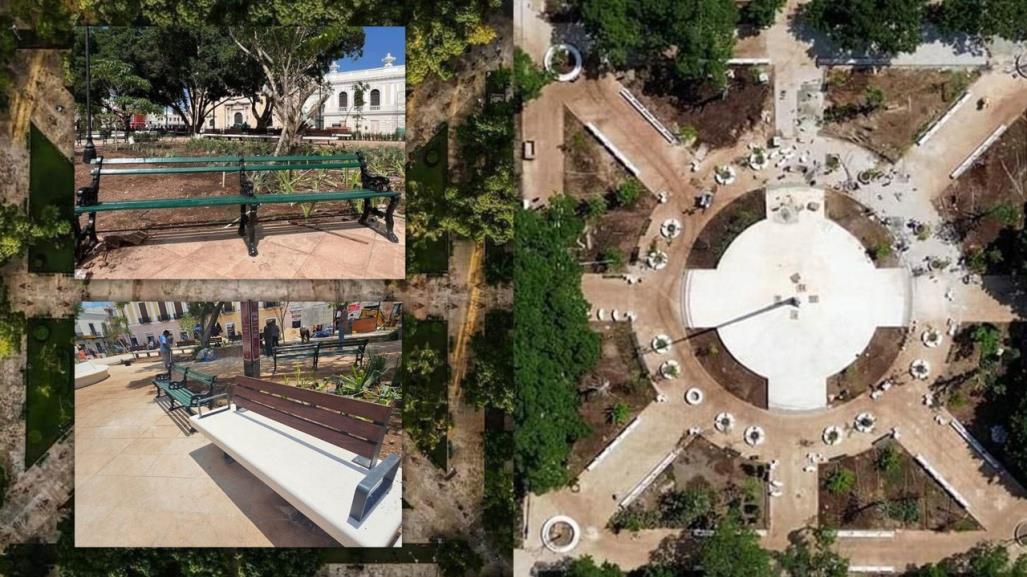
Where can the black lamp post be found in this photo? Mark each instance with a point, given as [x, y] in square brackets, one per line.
[90, 151]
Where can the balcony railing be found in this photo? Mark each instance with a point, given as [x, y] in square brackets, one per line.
[376, 107]
[144, 320]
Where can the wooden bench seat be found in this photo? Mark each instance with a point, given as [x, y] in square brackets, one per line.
[373, 186]
[319, 452]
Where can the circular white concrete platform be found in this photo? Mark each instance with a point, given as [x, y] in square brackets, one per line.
[90, 373]
[796, 299]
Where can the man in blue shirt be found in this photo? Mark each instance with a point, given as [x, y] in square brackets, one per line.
[166, 341]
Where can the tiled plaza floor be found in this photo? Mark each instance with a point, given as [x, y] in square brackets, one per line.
[140, 480]
[340, 250]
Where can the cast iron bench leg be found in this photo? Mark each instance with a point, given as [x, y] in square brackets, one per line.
[388, 218]
[367, 211]
[251, 230]
[242, 220]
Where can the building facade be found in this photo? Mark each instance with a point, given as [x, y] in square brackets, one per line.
[92, 331]
[147, 320]
[371, 101]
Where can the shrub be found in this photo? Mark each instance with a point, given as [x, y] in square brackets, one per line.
[618, 413]
[888, 461]
[683, 508]
[841, 481]
[881, 251]
[628, 193]
[905, 510]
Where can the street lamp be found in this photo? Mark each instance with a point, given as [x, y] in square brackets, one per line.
[90, 151]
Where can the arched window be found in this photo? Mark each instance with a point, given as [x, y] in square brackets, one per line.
[376, 99]
[237, 119]
[343, 101]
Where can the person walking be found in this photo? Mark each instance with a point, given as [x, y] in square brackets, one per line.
[342, 326]
[166, 342]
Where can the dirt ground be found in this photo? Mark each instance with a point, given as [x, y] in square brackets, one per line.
[617, 378]
[852, 216]
[913, 99]
[861, 508]
[719, 120]
[871, 367]
[732, 479]
[591, 171]
[720, 364]
[142, 187]
[718, 233]
[1000, 176]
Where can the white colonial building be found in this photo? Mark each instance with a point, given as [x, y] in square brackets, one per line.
[382, 110]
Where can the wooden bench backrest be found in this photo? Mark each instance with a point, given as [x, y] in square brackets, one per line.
[357, 426]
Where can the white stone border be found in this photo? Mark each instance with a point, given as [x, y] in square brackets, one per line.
[941, 481]
[977, 446]
[748, 62]
[561, 519]
[865, 534]
[613, 149]
[579, 62]
[609, 448]
[648, 479]
[937, 125]
[978, 152]
[649, 116]
[871, 569]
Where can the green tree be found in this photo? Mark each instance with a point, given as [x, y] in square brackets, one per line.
[692, 38]
[683, 508]
[618, 413]
[761, 13]
[628, 192]
[983, 18]
[586, 567]
[456, 558]
[528, 78]
[489, 383]
[18, 231]
[734, 551]
[553, 344]
[876, 26]
[810, 555]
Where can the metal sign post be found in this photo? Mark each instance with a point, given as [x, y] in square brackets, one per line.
[250, 313]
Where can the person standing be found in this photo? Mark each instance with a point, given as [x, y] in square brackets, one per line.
[342, 325]
[166, 342]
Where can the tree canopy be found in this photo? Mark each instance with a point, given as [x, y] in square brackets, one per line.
[983, 18]
[884, 27]
[693, 38]
[553, 344]
[734, 551]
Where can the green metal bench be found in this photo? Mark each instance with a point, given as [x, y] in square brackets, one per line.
[177, 390]
[87, 199]
[355, 347]
[294, 352]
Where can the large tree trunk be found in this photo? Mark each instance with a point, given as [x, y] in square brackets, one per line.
[212, 320]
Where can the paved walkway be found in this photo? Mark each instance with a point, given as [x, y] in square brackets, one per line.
[344, 250]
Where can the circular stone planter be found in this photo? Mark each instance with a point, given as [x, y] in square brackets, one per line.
[725, 175]
[41, 333]
[931, 338]
[754, 436]
[560, 534]
[864, 422]
[832, 435]
[920, 369]
[661, 344]
[758, 159]
[573, 53]
[670, 228]
[670, 369]
[724, 422]
[694, 396]
[657, 260]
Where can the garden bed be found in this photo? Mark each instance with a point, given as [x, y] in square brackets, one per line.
[985, 204]
[871, 366]
[717, 118]
[593, 175]
[428, 174]
[612, 394]
[49, 384]
[50, 185]
[698, 489]
[887, 110]
[884, 488]
[724, 368]
[722, 229]
[873, 234]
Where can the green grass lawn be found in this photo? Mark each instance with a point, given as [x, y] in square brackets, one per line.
[49, 384]
[425, 397]
[51, 183]
[428, 169]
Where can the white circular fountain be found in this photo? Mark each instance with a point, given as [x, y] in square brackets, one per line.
[754, 436]
[560, 522]
[573, 52]
[661, 344]
[694, 396]
[724, 422]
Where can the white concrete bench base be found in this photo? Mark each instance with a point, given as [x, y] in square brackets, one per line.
[316, 477]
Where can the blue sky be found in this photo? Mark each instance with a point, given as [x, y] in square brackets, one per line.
[378, 41]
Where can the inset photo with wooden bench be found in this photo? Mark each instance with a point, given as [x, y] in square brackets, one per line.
[238, 424]
[272, 153]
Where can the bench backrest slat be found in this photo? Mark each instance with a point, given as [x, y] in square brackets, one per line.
[328, 417]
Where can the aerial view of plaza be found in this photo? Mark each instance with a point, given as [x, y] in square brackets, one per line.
[769, 278]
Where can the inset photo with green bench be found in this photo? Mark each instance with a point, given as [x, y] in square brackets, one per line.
[238, 424]
[284, 159]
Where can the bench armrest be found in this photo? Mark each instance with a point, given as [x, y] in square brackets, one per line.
[209, 401]
[373, 487]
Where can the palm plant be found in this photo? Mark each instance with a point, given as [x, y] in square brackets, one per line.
[361, 377]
